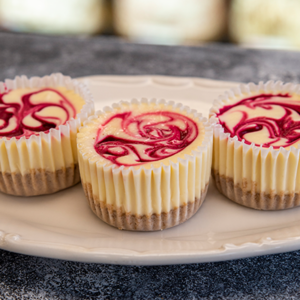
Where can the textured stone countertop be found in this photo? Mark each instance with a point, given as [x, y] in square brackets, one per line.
[26, 277]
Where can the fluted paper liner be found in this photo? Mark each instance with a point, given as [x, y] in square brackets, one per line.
[257, 177]
[139, 198]
[47, 162]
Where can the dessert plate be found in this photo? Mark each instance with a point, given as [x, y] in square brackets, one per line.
[62, 225]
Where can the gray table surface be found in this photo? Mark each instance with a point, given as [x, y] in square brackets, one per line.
[26, 277]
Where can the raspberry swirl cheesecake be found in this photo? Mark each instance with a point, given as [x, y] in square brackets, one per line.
[256, 145]
[39, 121]
[145, 165]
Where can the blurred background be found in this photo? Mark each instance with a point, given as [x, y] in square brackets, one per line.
[248, 23]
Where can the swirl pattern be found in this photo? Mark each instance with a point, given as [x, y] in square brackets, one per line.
[32, 112]
[128, 139]
[266, 119]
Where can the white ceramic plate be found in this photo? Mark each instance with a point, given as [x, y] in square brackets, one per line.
[63, 226]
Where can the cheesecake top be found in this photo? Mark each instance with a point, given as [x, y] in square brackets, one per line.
[28, 111]
[145, 134]
[265, 120]
[132, 137]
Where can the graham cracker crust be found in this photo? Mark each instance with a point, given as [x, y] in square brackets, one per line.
[118, 218]
[39, 181]
[252, 198]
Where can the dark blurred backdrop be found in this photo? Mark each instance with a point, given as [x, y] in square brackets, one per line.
[249, 23]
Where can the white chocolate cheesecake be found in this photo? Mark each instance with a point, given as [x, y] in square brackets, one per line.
[145, 165]
[256, 141]
[39, 120]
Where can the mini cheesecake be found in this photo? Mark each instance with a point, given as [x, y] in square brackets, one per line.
[39, 120]
[145, 165]
[256, 145]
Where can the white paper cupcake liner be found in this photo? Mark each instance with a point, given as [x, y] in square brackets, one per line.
[146, 199]
[47, 162]
[256, 177]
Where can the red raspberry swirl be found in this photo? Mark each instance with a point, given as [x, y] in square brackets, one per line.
[149, 137]
[283, 130]
[12, 115]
